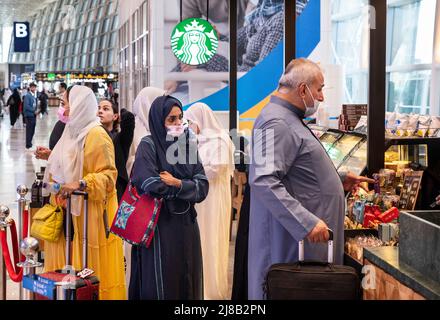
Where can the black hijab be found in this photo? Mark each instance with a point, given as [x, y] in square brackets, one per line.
[160, 109]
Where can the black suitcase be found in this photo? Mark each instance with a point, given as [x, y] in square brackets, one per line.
[312, 280]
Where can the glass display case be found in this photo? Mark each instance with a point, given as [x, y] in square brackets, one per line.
[347, 150]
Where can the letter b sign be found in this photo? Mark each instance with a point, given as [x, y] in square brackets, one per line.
[21, 36]
[21, 30]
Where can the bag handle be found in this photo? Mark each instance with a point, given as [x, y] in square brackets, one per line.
[330, 248]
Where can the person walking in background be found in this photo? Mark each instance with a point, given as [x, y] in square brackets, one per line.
[14, 103]
[30, 114]
[214, 213]
[83, 159]
[43, 97]
[171, 268]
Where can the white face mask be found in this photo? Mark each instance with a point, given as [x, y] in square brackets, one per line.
[175, 131]
[311, 110]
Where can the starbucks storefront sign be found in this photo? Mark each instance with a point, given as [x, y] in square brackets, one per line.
[194, 41]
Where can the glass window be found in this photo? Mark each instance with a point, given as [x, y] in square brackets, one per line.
[75, 62]
[409, 91]
[134, 23]
[97, 28]
[87, 32]
[57, 51]
[70, 36]
[93, 44]
[85, 47]
[92, 60]
[112, 43]
[92, 15]
[100, 58]
[80, 33]
[84, 5]
[84, 18]
[100, 11]
[412, 29]
[110, 57]
[115, 23]
[67, 49]
[103, 41]
[77, 47]
[83, 61]
[145, 53]
[110, 8]
[145, 17]
[106, 25]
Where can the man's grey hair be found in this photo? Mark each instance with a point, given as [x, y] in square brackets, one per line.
[299, 71]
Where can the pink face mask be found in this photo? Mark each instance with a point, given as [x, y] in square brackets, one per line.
[64, 119]
[175, 131]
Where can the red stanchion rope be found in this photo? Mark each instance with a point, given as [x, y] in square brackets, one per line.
[24, 231]
[15, 272]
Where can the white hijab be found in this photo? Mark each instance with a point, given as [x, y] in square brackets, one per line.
[65, 164]
[215, 145]
[141, 110]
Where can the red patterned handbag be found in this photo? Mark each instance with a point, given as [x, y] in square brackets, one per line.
[136, 218]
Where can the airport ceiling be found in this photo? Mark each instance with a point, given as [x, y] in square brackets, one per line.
[19, 10]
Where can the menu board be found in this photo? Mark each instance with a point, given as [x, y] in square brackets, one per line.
[410, 190]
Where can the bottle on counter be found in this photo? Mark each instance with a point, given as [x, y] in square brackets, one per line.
[52, 187]
[36, 195]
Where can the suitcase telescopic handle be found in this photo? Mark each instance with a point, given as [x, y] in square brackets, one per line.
[85, 195]
[330, 248]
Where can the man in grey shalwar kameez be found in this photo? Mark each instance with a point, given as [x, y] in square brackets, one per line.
[298, 194]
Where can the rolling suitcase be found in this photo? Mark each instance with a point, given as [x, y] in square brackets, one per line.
[66, 284]
[312, 280]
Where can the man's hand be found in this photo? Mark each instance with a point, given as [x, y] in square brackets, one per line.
[352, 181]
[319, 233]
[42, 153]
[169, 180]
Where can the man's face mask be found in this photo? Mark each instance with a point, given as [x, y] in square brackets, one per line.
[310, 110]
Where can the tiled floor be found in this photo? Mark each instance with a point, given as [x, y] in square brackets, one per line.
[17, 166]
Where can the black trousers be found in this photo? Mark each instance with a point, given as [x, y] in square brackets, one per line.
[13, 114]
[30, 130]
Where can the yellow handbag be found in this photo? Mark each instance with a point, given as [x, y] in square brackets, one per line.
[47, 223]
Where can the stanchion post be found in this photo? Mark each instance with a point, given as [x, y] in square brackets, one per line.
[29, 248]
[22, 190]
[4, 214]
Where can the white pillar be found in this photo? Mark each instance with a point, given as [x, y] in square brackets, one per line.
[333, 73]
[435, 75]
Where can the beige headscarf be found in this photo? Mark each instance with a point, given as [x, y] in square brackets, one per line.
[215, 146]
[65, 164]
[141, 110]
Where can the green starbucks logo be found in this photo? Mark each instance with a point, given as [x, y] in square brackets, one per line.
[194, 41]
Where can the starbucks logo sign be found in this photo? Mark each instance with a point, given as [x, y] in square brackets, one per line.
[194, 41]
